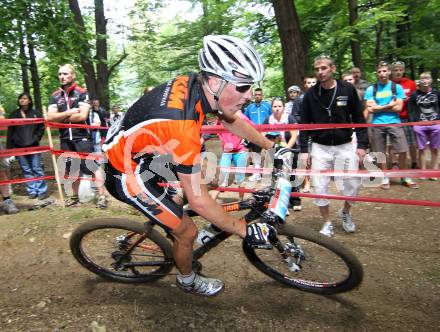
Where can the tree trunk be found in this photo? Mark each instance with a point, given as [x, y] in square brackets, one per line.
[23, 63]
[379, 30]
[102, 80]
[34, 75]
[293, 48]
[85, 55]
[403, 39]
[356, 53]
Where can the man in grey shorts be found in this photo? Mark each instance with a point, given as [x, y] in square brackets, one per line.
[385, 100]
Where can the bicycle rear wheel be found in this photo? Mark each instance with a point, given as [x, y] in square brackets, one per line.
[120, 249]
[308, 261]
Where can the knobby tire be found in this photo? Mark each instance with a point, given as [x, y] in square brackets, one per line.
[93, 235]
[328, 268]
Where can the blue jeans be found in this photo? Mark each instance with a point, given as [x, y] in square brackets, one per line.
[32, 168]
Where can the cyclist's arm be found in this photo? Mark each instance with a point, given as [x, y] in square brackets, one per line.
[200, 201]
[243, 129]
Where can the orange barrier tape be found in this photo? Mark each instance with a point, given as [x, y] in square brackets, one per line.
[349, 198]
[316, 126]
[19, 122]
[72, 125]
[24, 180]
[81, 155]
[23, 151]
[219, 129]
[415, 173]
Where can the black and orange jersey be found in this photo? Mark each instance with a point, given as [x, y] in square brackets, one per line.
[167, 120]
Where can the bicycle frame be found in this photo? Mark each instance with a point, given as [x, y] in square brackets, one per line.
[280, 171]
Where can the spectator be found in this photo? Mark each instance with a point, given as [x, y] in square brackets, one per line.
[7, 205]
[332, 101]
[234, 153]
[69, 104]
[359, 83]
[348, 77]
[104, 116]
[94, 119]
[116, 114]
[257, 112]
[293, 92]
[424, 105]
[286, 139]
[409, 86]
[308, 82]
[24, 136]
[384, 100]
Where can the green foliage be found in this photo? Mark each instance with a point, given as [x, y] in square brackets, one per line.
[160, 50]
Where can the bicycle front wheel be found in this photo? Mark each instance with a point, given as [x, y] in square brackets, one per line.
[308, 261]
[122, 250]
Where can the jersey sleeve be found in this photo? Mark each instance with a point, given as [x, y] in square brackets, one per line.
[52, 103]
[83, 98]
[369, 93]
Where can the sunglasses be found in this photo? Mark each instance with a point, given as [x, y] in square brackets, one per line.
[323, 56]
[398, 64]
[243, 88]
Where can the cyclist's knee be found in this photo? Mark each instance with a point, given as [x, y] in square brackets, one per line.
[186, 231]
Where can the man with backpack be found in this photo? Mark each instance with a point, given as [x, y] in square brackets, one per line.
[385, 100]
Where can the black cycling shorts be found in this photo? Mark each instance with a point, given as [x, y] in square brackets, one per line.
[141, 190]
[86, 166]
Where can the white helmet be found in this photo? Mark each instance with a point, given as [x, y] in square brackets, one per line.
[232, 59]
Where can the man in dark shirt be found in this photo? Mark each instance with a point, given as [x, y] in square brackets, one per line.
[69, 104]
[333, 101]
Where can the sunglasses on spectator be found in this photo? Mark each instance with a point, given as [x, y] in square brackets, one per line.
[398, 64]
[323, 56]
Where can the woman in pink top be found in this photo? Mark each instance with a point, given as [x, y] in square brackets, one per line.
[235, 154]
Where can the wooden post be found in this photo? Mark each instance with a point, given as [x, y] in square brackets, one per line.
[54, 160]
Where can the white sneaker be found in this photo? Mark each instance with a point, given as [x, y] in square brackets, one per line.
[297, 208]
[202, 286]
[347, 221]
[327, 229]
[255, 177]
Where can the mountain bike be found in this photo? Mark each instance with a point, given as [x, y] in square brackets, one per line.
[133, 252]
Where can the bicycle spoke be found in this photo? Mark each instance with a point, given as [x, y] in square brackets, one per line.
[107, 248]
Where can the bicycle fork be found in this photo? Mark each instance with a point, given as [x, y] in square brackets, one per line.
[291, 253]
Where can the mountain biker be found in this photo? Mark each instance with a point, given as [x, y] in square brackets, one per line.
[159, 141]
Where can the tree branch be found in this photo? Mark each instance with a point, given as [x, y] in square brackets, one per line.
[117, 63]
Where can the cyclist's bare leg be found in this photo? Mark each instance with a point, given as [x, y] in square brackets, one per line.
[184, 236]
